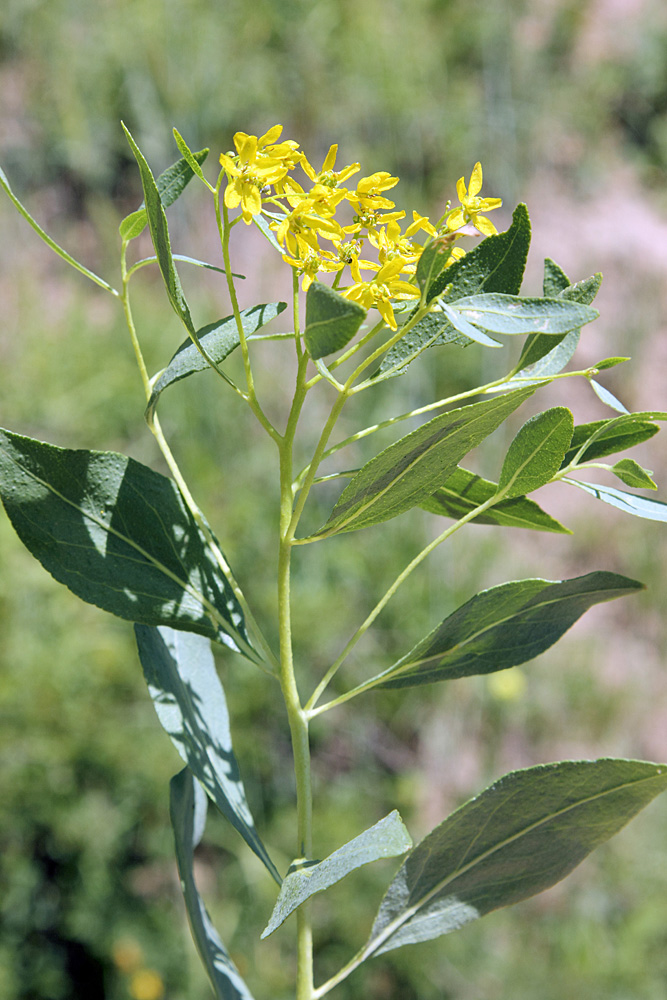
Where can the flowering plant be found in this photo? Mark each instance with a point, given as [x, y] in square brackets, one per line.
[137, 544]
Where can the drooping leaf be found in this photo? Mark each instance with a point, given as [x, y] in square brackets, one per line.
[460, 323]
[606, 437]
[555, 279]
[520, 836]
[536, 453]
[464, 491]
[331, 320]
[652, 510]
[170, 185]
[408, 471]
[218, 341]
[511, 315]
[503, 627]
[159, 229]
[187, 808]
[433, 329]
[632, 474]
[607, 397]
[190, 703]
[119, 536]
[387, 839]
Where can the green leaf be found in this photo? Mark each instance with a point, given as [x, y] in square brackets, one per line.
[263, 226]
[503, 627]
[609, 436]
[520, 836]
[460, 323]
[652, 510]
[609, 363]
[632, 474]
[408, 471]
[190, 703]
[536, 453]
[170, 185]
[331, 320]
[387, 839]
[187, 808]
[218, 340]
[119, 536]
[432, 262]
[511, 315]
[607, 397]
[464, 491]
[192, 159]
[555, 279]
[157, 223]
[433, 330]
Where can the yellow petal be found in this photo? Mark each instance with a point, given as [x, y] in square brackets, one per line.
[461, 189]
[270, 136]
[330, 159]
[475, 185]
[456, 220]
[488, 204]
[251, 199]
[484, 225]
[232, 195]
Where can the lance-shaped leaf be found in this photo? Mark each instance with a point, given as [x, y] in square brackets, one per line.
[119, 536]
[387, 839]
[170, 185]
[606, 437]
[630, 503]
[632, 474]
[511, 315]
[607, 397]
[190, 703]
[218, 340]
[536, 453]
[464, 491]
[504, 626]
[496, 265]
[331, 320]
[460, 323]
[157, 223]
[409, 470]
[520, 836]
[187, 808]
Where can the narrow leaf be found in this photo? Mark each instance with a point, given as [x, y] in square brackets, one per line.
[536, 453]
[387, 839]
[157, 223]
[511, 315]
[652, 510]
[464, 491]
[190, 703]
[609, 363]
[218, 340]
[187, 808]
[331, 320]
[408, 471]
[118, 535]
[606, 437]
[170, 185]
[607, 397]
[520, 836]
[460, 323]
[503, 627]
[632, 474]
[190, 157]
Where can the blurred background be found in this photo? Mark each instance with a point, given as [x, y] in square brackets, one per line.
[565, 104]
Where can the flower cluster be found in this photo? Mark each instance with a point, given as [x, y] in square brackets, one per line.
[259, 180]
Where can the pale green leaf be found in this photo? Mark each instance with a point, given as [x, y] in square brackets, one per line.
[607, 397]
[652, 510]
[511, 315]
[632, 474]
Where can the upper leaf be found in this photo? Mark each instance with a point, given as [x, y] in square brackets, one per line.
[118, 535]
[606, 437]
[465, 490]
[387, 839]
[190, 703]
[511, 315]
[218, 340]
[331, 320]
[157, 223]
[504, 626]
[536, 453]
[187, 808]
[409, 470]
[521, 835]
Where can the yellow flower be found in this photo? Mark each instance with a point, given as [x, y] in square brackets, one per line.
[367, 197]
[472, 206]
[258, 162]
[328, 176]
[310, 262]
[382, 289]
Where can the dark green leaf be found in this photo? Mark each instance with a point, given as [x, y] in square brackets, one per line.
[157, 223]
[432, 262]
[521, 835]
[190, 703]
[609, 363]
[555, 279]
[170, 184]
[192, 159]
[503, 627]
[331, 320]
[118, 535]
[433, 330]
[609, 436]
[464, 491]
[218, 340]
[511, 315]
[536, 453]
[607, 397]
[387, 839]
[408, 471]
[632, 474]
[652, 510]
[187, 808]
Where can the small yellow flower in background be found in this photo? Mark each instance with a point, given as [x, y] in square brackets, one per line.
[127, 955]
[146, 984]
[258, 162]
[507, 685]
[472, 206]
